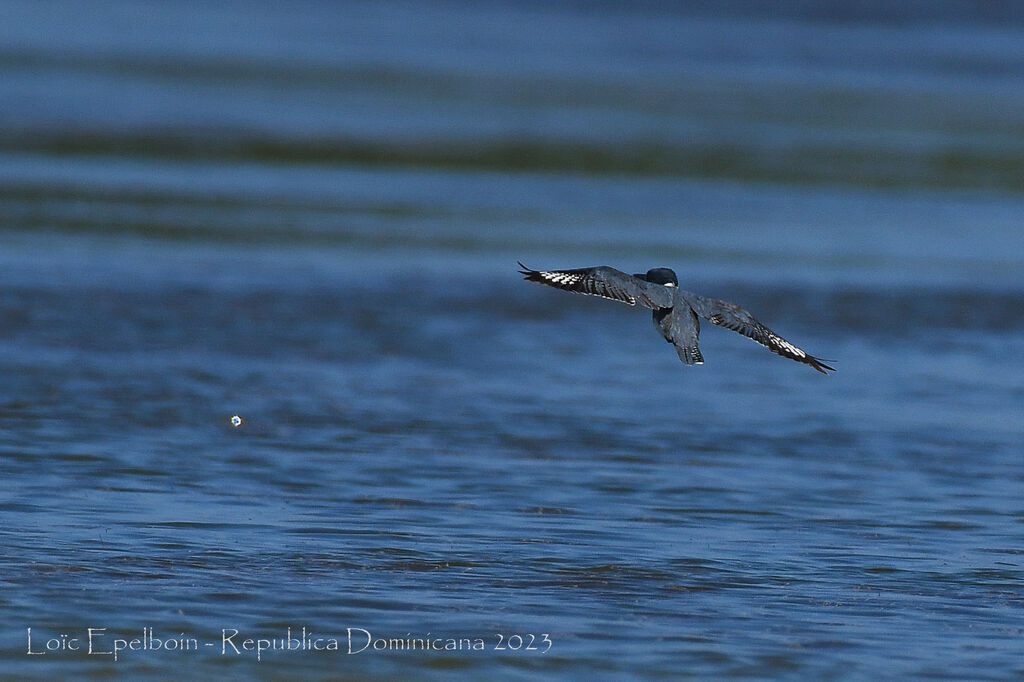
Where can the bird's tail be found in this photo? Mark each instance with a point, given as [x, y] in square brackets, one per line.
[690, 355]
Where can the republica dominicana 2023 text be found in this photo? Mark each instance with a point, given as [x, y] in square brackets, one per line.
[101, 641]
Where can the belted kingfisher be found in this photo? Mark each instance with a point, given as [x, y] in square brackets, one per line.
[675, 311]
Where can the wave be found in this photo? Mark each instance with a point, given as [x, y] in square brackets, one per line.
[803, 163]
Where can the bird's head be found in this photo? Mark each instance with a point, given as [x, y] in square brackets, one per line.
[662, 276]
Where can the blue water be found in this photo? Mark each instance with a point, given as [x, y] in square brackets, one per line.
[310, 216]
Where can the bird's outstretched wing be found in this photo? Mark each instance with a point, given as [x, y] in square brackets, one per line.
[605, 282]
[732, 316]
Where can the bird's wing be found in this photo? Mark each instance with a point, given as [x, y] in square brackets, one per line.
[732, 316]
[605, 282]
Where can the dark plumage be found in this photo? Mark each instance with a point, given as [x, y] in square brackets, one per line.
[676, 312]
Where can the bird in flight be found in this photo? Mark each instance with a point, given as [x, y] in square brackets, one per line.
[676, 312]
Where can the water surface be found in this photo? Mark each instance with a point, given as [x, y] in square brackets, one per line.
[310, 218]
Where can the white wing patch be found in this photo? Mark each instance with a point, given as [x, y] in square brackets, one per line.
[786, 345]
[582, 283]
[563, 278]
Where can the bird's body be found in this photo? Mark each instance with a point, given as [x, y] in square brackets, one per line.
[677, 312]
